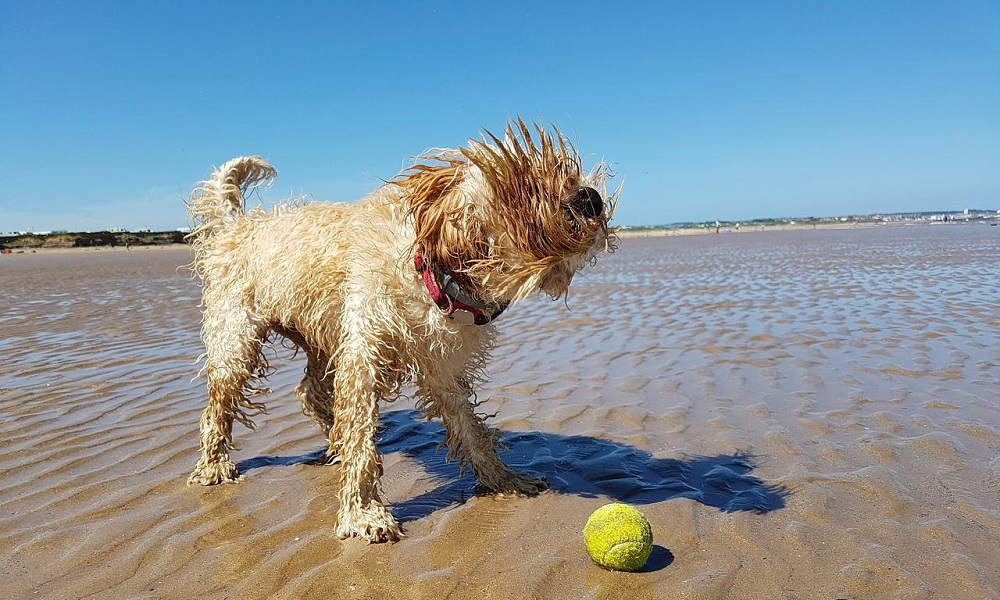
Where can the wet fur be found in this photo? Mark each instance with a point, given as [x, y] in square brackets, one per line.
[338, 280]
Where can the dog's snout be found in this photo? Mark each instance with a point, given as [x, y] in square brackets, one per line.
[588, 203]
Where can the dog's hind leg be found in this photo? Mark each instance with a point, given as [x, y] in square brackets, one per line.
[315, 391]
[474, 443]
[233, 360]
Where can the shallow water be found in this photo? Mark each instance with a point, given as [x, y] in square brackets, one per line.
[804, 414]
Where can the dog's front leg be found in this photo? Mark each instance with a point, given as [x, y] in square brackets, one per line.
[475, 444]
[357, 391]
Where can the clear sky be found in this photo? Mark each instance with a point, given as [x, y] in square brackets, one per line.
[110, 111]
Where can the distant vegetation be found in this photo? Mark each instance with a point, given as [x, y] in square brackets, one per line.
[90, 239]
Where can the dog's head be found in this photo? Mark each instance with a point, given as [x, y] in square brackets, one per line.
[507, 217]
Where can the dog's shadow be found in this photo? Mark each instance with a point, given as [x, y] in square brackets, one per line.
[580, 465]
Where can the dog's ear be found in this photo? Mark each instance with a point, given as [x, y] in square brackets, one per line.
[447, 230]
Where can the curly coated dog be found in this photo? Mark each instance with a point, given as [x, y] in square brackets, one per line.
[400, 288]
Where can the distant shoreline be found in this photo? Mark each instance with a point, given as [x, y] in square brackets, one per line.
[637, 232]
[108, 240]
[758, 227]
[126, 241]
[49, 250]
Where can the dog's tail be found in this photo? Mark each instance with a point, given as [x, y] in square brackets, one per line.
[220, 197]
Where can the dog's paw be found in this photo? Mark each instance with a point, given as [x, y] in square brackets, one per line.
[514, 483]
[214, 473]
[374, 524]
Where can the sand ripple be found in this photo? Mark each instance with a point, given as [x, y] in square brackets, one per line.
[800, 415]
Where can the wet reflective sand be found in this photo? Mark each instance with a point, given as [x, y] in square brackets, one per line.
[800, 415]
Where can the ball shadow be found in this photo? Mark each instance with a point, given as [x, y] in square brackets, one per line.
[659, 558]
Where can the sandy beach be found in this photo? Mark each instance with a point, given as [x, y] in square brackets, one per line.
[800, 415]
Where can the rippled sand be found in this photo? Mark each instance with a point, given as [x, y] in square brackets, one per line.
[799, 414]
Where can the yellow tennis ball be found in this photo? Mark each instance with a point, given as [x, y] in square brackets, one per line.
[618, 537]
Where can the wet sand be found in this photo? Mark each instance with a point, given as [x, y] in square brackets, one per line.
[800, 415]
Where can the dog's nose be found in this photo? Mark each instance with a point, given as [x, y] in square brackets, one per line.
[588, 203]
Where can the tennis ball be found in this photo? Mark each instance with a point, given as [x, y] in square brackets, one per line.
[618, 537]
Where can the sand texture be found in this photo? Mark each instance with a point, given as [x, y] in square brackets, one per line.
[800, 415]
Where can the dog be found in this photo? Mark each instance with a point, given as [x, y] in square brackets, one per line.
[398, 289]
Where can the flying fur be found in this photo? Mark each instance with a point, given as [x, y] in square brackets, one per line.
[503, 216]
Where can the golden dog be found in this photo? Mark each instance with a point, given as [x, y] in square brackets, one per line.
[400, 288]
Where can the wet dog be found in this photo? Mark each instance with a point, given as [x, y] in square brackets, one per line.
[398, 289]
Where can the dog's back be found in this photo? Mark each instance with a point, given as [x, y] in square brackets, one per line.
[296, 256]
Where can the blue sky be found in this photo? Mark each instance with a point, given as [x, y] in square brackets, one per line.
[109, 112]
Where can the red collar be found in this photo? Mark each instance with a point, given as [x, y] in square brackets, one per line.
[449, 297]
